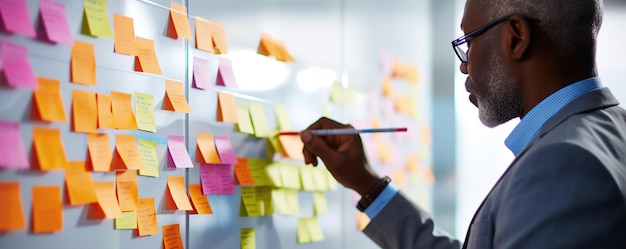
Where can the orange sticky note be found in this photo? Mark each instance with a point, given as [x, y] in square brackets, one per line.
[204, 35]
[126, 148]
[83, 63]
[47, 209]
[176, 188]
[124, 35]
[206, 146]
[178, 22]
[122, 110]
[175, 97]
[80, 187]
[107, 202]
[219, 38]
[105, 115]
[199, 201]
[127, 190]
[146, 217]
[84, 111]
[100, 153]
[266, 46]
[49, 150]
[171, 237]
[146, 60]
[48, 101]
[291, 146]
[226, 108]
[242, 172]
[11, 208]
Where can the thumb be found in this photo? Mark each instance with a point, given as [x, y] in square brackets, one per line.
[316, 146]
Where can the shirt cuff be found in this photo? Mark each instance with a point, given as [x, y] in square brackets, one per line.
[381, 201]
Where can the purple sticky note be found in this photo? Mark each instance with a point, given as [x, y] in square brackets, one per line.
[178, 152]
[16, 66]
[225, 75]
[225, 149]
[55, 22]
[201, 73]
[12, 153]
[16, 17]
[217, 179]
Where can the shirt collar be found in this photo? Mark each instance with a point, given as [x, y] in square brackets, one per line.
[533, 121]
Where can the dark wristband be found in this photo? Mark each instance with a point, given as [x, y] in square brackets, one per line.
[368, 198]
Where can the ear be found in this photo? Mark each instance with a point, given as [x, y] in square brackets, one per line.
[518, 37]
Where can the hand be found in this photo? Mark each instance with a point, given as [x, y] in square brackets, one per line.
[343, 155]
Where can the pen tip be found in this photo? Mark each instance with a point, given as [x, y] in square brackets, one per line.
[402, 129]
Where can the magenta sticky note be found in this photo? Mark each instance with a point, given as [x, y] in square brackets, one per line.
[217, 179]
[178, 152]
[16, 18]
[226, 178]
[225, 149]
[201, 74]
[225, 75]
[16, 66]
[55, 22]
[12, 153]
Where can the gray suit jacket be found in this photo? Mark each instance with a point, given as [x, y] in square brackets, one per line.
[567, 189]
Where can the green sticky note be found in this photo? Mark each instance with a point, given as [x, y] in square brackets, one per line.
[282, 118]
[148, 155]
[290, 176]
[259, 122]
[315, 231]
[248, 240]
[303, 231]
[144, 112]
[320, 205]
[128, 221]
[245, 124]
[306, 177]
[97, 19]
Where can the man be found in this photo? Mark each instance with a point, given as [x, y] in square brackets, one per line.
[566, 187]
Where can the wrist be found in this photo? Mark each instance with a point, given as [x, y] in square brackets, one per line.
[373, 193]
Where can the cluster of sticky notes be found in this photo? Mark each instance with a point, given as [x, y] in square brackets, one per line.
[217, 179]
[210, 36]
[309, 230]
[256, 201]
[248, 238]
[12, 153]
[274, 48]
[16, 66]
[404, 70]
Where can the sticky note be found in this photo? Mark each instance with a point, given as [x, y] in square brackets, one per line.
[206, 146]
[124, 35]
[204, 35]
[248, 240]
[291, 197]
[201, 73]
[145, 112]
[146, 60]
[12, 152]
[320, 205]
[303, 234]
[278, 196]
[146, 217]
[54, 19]
[267, 46]
[199, 201]
[127, 221]
[99, 151]
[107, 201]
[16, 66]
[105, 114]
[291, 147]
[282, 118]
[47, 209]
[290, 176]
[84, 111]
[219, 37]
[97, 19]
[176, 188]
[319, 179]
[226, 108]
[257, 115]
[79, 183]
[175, 97]
[249, 199]
[83, 63]
[243, 116]
[49, 150]
[122, 111]
[171, 237]
[127, 190]
[216, 179]
[11, 208]
[178, 23]
[148, 155]
[306, 178]
[16, 18]
[242, 172]
[178, 152]
[225, 149]
[48, 101]
[126, 149]
[225, 74]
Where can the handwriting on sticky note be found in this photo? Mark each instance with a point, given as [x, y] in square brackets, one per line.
[225, 74]
[54, 19]
[248, 240]
[83, 63]
[201, 73]
[127, 221]
[47, 209]
[179, 24]
[226, 108]
[49, 101]
[16, 66]
[16, 18]
[84, 111]
[225, 149]
[146, 217]
[145, 112]
[148, 154]
[107, 200]
[242, 172]
[204, 37]
[178, 152]
[80, 186]
[127, 190]
[124, 35]
[250, 201]
[216, 179]
[100, 153]
[122, 111]
[11, 208]
[171, 237]
[12, 151]
[146, 60]
[105, 114]
[199, 201]
[176, 187]
[49, 150]
[126, 148]
[97, 19]
[175, 97]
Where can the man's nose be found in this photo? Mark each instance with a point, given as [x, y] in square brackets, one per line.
[463, 67]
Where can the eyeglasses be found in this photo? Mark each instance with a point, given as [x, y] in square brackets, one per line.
[460, 45]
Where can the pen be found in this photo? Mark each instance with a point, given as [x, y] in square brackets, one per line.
[344, 131]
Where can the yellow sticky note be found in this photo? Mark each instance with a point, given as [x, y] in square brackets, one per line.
[100, 153]
[303, 233]
[126, 148]
[219, 38]
[206, 147]
[149, 158]
[176, 187]
[122, 110]
[291, 197]
[146, 60]
[320, 205]
[204, 35]
[107, 201]
[105, 115]
[127, 190]
[248, 238]
[47, 209]
[146, 217]
[306, 177]
[11, 208]
[83, 63]
[145, 112]
[291, 146]
[278, 197]
[282, 118]
[48, 101]
[97, 19]
[124, 35]
[127, 221]
[178, 22]
[49, 150]
[171, 237]
[175, 97]
[243, 116]
[84, 111]
[319, 179]
[226, 108]
[199, 201]
[249, 199]
[290, 176]
[79, 183]
[257, 113]
[315, 231]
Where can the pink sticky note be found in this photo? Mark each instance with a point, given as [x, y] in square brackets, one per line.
[16, 18]
[225, 76]
[217, 179]
[225, 149]
[55, 22]
[200, 73]
[178, 154]
[12, 153]
[16, 66]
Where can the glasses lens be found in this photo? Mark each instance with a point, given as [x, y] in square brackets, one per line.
[461, 51]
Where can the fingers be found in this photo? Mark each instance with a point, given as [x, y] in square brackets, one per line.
[315, 146]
